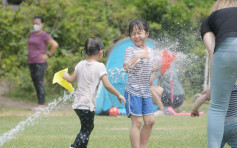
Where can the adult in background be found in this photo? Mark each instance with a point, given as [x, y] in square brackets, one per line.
[219, 33]
[37, 46]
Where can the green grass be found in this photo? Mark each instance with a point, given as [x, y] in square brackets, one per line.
[59, 128]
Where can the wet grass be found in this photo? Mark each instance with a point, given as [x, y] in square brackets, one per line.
[59, 128]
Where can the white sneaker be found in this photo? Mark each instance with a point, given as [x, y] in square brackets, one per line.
[159, 113]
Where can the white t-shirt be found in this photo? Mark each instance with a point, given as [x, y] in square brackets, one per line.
[88, 78]
[138, 83]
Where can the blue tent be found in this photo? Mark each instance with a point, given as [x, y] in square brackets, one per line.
[117, 77]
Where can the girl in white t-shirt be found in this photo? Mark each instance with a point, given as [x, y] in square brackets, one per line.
[88, 74]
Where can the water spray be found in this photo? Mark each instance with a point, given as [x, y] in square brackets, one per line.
[31, 119]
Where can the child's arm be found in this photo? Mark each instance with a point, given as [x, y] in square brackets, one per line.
[202, 99]
[69, 78]
[156, 68]
[197, 104]
[153, 77]
[132, 63]
[111, 88]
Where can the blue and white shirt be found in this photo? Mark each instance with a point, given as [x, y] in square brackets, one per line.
[138, 83]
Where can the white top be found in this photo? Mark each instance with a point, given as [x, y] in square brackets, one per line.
[88, 77]
[138, 83]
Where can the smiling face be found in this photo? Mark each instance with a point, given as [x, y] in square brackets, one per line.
[138, 36]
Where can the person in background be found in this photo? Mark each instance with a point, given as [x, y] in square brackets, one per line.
[38, 42]
[161, 93]
[230, 125]
[219, 34]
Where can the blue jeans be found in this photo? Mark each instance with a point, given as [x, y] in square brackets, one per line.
[230, 133]
[223, 77]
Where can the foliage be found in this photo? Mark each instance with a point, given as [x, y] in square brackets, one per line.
[70, 22]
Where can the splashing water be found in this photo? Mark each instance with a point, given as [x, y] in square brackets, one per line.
[184, 64]
[30, 120]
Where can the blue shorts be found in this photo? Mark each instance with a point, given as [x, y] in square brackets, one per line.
[138, 106]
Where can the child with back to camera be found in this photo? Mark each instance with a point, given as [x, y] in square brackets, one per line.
[88, 73]
[230, 125]
[137, 62]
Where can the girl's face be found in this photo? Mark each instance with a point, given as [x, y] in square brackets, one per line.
[138, 36]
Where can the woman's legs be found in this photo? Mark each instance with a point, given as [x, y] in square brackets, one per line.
[87, 124]
[37, 75]
[224, 74]
[146, 130]
[135, 131]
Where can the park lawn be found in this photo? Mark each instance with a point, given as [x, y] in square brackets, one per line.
[59, 128]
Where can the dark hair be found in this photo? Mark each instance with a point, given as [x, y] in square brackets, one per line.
[39, 17]
[140, 23]
[93, 45]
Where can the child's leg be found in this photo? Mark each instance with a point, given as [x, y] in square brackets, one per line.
[149, 121]
[156, 92]
[135, 131]
[87, 124]
[230, 133]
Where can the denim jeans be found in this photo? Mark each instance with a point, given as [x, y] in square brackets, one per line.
[230, 133]
[223, 77]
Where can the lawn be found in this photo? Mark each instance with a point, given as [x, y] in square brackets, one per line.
[59, 128]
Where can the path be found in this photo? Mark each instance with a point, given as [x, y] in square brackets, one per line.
[13, 104]
[9, 103]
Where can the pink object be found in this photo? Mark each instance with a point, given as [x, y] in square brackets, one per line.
[167, 59]
[113, 111]
[171, 86]
[171, 111]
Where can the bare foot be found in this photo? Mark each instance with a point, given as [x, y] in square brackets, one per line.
[40, 106]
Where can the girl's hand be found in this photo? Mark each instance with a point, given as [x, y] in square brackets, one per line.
[144, 55]
[65, 75]
[120, 98]
[194, 114]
